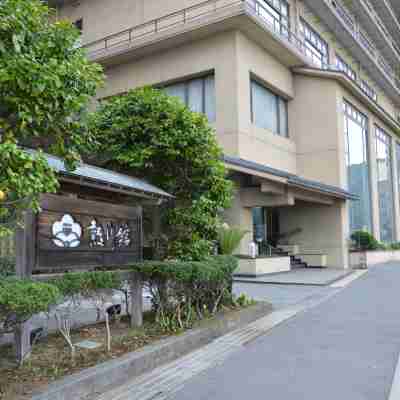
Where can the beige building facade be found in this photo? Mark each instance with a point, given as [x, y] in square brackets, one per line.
[303, 95]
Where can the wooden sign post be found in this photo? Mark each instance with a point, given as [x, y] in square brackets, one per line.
[71, 234]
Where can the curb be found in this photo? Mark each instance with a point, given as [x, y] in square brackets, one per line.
[118, 371]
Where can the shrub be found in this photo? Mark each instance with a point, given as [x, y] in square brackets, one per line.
[21, 299]
[7, 267]
[229, 239]
[363, 240]
[183, 290]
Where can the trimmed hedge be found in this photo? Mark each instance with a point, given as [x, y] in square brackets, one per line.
[183, 290]
[7, 267]
[21, 299]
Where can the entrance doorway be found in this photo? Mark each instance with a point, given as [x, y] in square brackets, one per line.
[266, 226]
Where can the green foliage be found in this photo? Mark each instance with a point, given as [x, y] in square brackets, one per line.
[155, 136]
[22, 176]
[184, 291]
[229, 239]
[86, 283]
[395, 246]
[46, 83]
[243, 300]
[364, 240]
[7, 267]
[21, 299]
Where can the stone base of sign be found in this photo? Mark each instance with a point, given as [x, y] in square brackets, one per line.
[97, 379]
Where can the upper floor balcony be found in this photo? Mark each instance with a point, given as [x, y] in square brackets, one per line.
[342, 23]
[199, 21]
[366, 15]
[390, 17]
[255, 18]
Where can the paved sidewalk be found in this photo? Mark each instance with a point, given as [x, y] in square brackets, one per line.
[333, 344]
[346, 348]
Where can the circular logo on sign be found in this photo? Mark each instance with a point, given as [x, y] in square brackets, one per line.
[67, 232]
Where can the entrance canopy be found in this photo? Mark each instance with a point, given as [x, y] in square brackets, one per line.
[274, 181]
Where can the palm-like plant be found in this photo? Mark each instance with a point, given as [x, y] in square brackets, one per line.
[229, 239]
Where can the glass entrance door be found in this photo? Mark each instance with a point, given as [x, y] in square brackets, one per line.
[266, 226]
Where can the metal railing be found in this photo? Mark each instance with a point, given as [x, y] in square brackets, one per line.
[191, 14]
[257, 9]
[362, 38]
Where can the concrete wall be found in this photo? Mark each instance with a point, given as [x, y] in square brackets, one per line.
[324, 228]
[257, 144]
[315, 126]
[189, 60]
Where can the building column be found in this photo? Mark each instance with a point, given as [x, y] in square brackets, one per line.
[240, 217]
[396, 194]
[373, 182]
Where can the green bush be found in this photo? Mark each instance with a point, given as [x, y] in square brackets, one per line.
[7, 267]
[86, 283]
[182, 291]
[363, 240]
[21, 299]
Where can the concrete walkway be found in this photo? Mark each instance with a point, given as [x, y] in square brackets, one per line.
[301, 276]
[333, 344]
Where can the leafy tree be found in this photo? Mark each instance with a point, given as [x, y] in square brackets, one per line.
[155, 136]
[46, 83]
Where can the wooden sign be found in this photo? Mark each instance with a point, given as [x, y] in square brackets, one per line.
[74, 233]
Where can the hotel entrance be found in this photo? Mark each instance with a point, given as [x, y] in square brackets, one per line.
[266, 228]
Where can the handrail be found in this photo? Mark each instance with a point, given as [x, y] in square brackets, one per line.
[192, 13]
[253, 7]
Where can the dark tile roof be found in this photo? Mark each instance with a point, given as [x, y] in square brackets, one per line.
[291, 178]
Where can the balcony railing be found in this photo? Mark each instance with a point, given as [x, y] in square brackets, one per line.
[255, 8]
[187, 15]
[362, 38]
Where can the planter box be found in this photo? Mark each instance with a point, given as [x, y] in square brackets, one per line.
[362, 259]
[314, 260]
[262, 266]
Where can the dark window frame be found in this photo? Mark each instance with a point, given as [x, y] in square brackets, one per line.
[278, 99]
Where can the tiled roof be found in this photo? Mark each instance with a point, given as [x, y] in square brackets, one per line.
[291, 178]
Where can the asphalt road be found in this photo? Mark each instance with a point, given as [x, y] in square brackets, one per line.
[345, 348]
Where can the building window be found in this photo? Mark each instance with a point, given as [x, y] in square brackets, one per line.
[197, 94]
[268, 110]
[358, 179]
[341, 65]
[275, 13]
[367, 89]
[385, 184]
[315, 47]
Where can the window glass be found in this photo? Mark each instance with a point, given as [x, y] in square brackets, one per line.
[315, 47]
[269, 111]
[385, 184]
[177, 90]
[197, 94]
[274, 12]
[367, 89]
[358, 179]
[283, 117]
[341, 65]
[210, 105]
